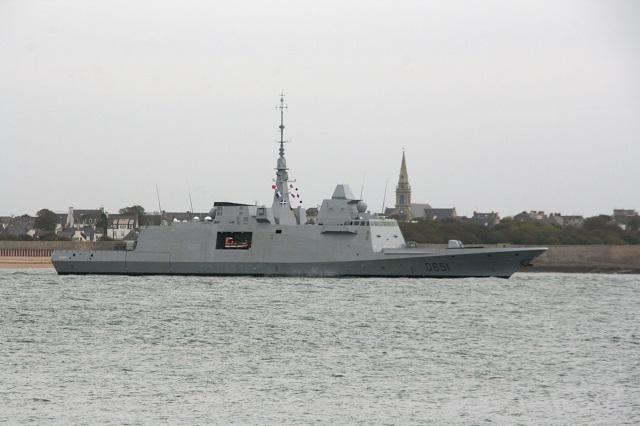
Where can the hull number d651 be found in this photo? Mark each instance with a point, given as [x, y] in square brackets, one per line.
[437, 267]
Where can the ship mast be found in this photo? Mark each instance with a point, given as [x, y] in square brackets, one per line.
[281, 207]
[282, 107]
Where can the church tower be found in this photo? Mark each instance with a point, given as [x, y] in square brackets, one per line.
[403, 194]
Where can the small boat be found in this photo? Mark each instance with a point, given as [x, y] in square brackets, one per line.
[231, 244]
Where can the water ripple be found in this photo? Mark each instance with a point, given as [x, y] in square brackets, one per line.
[535, 349]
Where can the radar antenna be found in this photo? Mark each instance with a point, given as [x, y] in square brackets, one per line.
[159, 206]
[384, 197]
[282, 107]
[283, 213]
[190, 202]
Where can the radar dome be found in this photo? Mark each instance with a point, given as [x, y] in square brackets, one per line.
[362, 206]
[212, 212]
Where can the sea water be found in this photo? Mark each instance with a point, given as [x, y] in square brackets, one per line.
[534, 349]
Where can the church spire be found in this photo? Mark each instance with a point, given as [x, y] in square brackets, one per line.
[403, 190]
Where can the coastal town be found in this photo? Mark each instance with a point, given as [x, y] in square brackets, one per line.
[97, 224]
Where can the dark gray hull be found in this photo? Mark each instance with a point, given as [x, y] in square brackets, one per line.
[437, 263]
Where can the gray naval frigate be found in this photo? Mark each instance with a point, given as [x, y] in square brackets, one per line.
[242, 239]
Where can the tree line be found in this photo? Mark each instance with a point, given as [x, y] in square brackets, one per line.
[595, 230]
[600, 229]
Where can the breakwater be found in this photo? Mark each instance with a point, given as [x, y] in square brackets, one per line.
[58, 245]
[25, 253]
[618, 259]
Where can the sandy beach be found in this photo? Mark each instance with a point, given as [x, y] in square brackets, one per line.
[25, 262]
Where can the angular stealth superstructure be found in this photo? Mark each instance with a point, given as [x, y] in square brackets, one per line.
[241, 239]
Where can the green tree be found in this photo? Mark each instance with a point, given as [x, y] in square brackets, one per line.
[136, 210]
[154, 218]
[633, 224]
[103, 223]
[597, 222]
[597, 230]
[46, 220]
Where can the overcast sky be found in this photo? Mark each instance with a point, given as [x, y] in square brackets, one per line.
[499, 105]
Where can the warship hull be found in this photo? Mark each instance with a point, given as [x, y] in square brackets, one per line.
[503, 265]
[313, 251]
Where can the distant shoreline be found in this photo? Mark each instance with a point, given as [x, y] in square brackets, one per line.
[20, 262]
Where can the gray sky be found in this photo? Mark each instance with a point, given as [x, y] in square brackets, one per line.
[499, 105]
